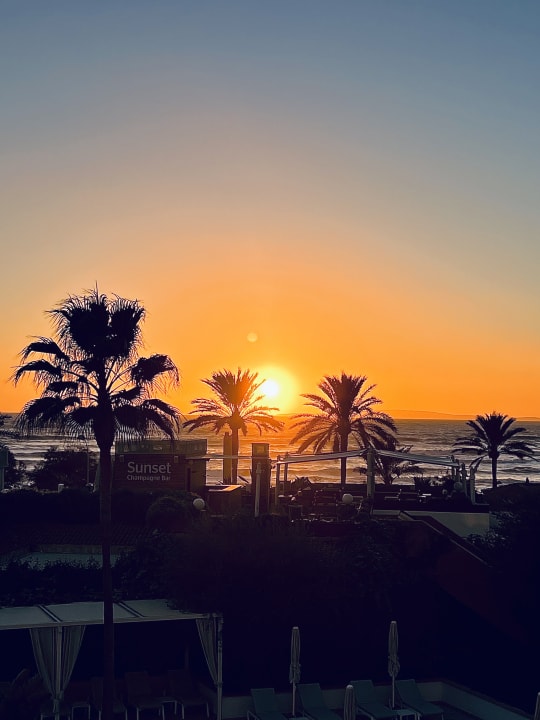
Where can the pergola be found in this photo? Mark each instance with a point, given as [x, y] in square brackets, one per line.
[57, 632]
[369, 454]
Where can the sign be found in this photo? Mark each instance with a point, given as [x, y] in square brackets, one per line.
[148, 471]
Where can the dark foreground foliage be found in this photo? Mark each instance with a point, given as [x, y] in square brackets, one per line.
[267, 575]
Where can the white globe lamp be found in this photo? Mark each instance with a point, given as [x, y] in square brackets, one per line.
[199, 504]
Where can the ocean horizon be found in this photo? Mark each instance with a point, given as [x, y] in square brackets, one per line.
[428, 437]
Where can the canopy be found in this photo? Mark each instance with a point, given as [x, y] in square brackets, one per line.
[52, 619]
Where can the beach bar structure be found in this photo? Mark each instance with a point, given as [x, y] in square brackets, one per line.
[456, 468]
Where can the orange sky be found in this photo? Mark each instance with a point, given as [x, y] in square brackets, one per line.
[363, 200]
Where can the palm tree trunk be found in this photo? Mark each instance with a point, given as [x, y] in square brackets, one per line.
[235, 445]
[105, 464]
[344, 444]
[494, 472]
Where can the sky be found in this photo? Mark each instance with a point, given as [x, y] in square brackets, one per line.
[295, 187]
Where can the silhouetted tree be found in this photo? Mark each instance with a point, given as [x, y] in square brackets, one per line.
[93, 383]
[392, 468]
[235, 406]
[15, 472]
[68, 467]
[345, 409]
[493, 435]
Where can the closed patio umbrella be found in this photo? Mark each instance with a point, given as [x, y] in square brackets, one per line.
[294, 667]
[349, 704]
[393, 658]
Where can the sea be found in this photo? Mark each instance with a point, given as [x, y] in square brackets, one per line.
[433, 438]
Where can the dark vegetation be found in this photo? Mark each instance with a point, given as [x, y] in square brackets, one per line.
[267, 575]
[72, 468]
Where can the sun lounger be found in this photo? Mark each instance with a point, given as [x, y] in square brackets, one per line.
[140, 695]
[265, 705]
[367, 703]
[410, 696]
[184, 692]
[313, 704]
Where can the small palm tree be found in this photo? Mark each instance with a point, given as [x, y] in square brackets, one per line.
[235, 406]
[493, 436]
[93, 383]
[390, 468]
[345, 409]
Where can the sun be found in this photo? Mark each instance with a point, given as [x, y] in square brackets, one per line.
[279, 388]
[270, 388]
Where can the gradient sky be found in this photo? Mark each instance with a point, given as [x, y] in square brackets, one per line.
[353, 183]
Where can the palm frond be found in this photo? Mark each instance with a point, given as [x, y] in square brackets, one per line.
[158, 371]
[42, 370]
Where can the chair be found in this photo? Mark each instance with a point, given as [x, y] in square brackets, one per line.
[265, 705]
[367, 702]
[313, 704]
[411, 697]
[96, 698]
[140, 695]
[184, 692]
[77, 696]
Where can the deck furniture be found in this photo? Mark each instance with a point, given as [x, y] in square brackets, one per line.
[367, 703]
[77, 696]
[139, 693]
[96, 698]
[265, 705]
[184, 691]
[47, 710]
[410, 696]
[313, 703]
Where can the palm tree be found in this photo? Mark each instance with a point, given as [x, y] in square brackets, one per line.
[493, 436]
[93, 383]
[345, 409]
[391, 468]
[235, 407]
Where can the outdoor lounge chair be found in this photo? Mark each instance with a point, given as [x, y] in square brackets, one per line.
[140, 695]
[96, 698]
[367, 702]
[265, 705]
[410, 696]
[313, 704]
[184, 692]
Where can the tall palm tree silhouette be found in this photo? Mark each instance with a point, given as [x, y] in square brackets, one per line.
[235, 406]
[94, 383]
[492, 436]
[345, 408]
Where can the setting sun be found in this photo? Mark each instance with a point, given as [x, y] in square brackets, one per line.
[270, 388]
[279, 388]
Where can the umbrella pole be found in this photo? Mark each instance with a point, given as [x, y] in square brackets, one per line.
[294, 699]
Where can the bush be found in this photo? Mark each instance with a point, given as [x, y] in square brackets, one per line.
[170, 514]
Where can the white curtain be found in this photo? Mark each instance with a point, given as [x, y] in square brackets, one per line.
[210, 634]
[55, 651]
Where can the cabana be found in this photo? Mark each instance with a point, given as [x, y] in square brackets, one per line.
[57, 632]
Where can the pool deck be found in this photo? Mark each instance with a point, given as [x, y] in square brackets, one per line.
[458, 702]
